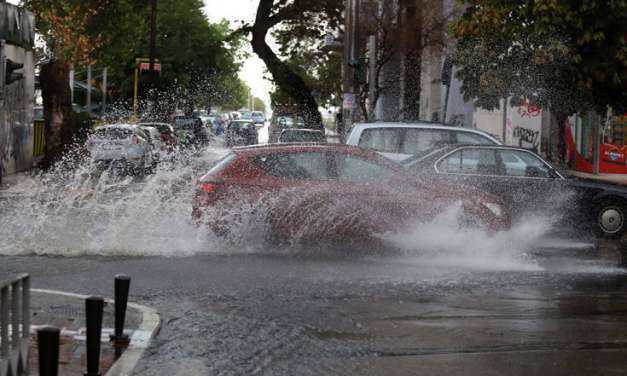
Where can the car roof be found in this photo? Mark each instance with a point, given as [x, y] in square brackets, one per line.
[301, 130]
[421, 125]
[295, 146]
[121, 125]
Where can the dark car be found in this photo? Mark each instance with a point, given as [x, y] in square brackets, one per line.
[241, 133]
[301, 135]
[332, 192]
[168, 135]
[528, 184]
[190, 130]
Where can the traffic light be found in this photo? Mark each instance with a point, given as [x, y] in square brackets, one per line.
[10, 72]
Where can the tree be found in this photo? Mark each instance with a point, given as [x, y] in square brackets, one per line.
[73, 33]
[304, 17]
[569, 54]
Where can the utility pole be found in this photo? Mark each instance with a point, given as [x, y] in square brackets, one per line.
[153, 34]
[88, 104]
[104, 90]
[351, 19]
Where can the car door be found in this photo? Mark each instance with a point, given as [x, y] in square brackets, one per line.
[534, 187]
[371, 201]
[519, 178]
[296, 187]
[474, 167]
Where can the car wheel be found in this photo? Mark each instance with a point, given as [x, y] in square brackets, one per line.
[610, 220]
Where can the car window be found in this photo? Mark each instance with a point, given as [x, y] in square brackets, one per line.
[385, 140]
[471, 161]
[112, 133]
[418, 141]
[472, 139]
[520, 163]
[358, 170]
[310, 165]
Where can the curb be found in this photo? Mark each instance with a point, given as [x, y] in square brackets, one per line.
[147, 330]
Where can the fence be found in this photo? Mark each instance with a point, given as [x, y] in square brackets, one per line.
[14, 326]
[39, 139]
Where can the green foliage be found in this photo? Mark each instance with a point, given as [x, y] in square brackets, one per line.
[200, 60]
[301, 47]
[571, 54]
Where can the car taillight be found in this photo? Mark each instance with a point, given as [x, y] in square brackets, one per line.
[208, 187]
[135, 140]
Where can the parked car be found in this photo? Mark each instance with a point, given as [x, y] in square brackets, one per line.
[128, 145]
[241, 133]
[258, 118]
[333, 192]
[203, 116]
[280, 122]
[190, 130]
[529, 184]
[168, 136]
[399, 141]
[301, 135]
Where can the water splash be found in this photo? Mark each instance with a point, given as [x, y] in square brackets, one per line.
[445, 242]
[80, 209]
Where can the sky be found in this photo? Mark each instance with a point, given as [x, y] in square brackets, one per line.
[254, 69]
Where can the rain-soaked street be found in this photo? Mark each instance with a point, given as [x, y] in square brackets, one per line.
[446, 301]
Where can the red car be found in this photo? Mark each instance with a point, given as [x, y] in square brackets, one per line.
[313, 192]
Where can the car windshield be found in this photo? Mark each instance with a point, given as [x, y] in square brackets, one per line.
[113, 133]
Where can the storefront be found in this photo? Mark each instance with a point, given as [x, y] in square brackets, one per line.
[611, 146]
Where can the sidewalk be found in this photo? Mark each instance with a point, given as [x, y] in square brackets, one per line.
[611, 178]
[67, 313]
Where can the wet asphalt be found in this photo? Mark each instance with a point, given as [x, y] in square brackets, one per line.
[383, 315]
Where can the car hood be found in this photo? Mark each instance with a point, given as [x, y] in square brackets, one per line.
[578, 182]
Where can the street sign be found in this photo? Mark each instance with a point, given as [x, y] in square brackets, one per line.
[146, 67]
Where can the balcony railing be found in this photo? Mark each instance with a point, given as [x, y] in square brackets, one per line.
[14, 325]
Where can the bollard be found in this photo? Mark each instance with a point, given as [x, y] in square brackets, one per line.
[94, 307]
[119, 339]
[48, 348]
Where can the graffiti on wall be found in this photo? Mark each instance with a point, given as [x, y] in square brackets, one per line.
[526, 125]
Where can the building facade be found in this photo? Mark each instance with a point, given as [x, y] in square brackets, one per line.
[16, 98]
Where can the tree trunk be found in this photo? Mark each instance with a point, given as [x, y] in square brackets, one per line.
[55, 90]
[283, 76]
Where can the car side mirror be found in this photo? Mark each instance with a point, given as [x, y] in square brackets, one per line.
[534, 172]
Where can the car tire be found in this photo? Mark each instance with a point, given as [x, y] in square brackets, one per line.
[610, 217]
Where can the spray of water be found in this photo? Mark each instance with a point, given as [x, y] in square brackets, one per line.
[446, 242]
[81, 209]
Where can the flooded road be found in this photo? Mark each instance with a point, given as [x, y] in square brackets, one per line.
[278, 315]
[449, 301]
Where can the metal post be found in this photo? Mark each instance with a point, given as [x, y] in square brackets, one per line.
[15, 314]
[4, 322]
[72, 76]
[48, 349]
[593, 120]
[104, 90]
[26, 314]
[94, 307]
[88, 104]
[135, 90]
[505, 102]
[153, 34]
[122, 287]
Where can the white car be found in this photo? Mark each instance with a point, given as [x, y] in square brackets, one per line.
[399, 141]
[123, 143]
